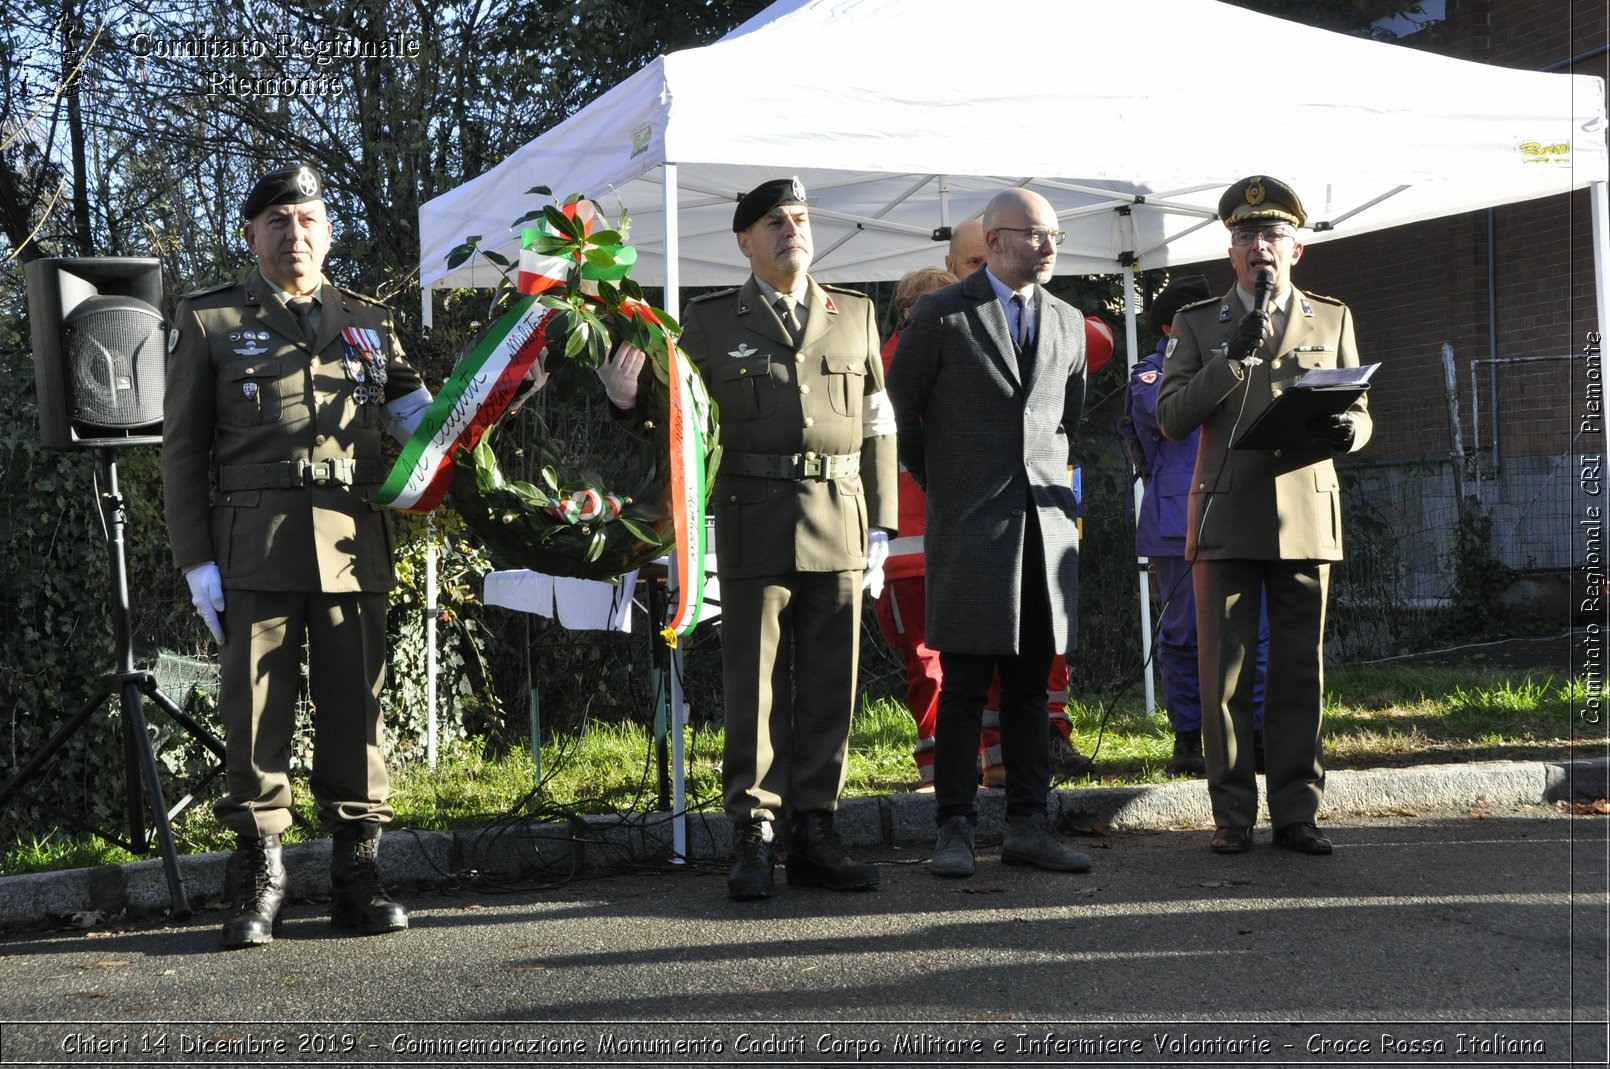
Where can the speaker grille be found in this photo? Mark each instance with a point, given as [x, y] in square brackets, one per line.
[116, 362]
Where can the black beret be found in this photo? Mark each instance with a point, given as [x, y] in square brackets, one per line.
[1187, 289]
[1261, 199]
[292, 185]
[763, 198]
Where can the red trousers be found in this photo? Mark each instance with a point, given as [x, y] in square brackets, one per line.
[901, 612]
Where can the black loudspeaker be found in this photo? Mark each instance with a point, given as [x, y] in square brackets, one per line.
[100, 358]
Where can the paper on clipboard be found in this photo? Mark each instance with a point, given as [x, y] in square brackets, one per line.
[1324, 391]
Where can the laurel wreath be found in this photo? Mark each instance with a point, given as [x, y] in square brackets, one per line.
[568, 521]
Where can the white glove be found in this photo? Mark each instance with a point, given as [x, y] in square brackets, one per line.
[877, 551]
[404, 414]
[619, 372]
[207, 595]
[537, 375]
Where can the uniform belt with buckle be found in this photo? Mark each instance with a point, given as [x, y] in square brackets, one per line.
[792, 465]
[287, 474]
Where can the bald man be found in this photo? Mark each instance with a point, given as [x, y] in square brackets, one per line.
[967, 249]
[988, 383]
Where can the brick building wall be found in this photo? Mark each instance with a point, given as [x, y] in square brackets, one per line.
[1511, 290]
[1517, 283]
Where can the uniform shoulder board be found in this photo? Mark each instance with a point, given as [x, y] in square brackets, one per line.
[845, 290]
[1322, 297]
[1202, 303]
[208, 290]
[713, 295]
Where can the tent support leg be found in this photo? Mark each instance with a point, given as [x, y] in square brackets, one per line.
[1132, 340]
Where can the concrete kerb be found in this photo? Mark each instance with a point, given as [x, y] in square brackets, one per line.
[421, 859]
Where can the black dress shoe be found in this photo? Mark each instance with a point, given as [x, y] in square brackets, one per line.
[1231, 840]
[1303, 838]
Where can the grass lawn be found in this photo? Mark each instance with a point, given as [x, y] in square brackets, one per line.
[1375, 716]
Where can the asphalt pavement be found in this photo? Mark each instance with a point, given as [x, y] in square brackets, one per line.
[1461, 920]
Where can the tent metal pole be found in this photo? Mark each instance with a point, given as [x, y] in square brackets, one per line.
[1132, 340]
[677, 721]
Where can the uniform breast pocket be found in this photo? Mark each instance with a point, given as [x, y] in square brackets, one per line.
[845, 377]
[743, 388]
[249, 392]
[1309, 359]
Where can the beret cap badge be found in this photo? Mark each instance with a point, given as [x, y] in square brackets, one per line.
[754, 205]
[297, 184]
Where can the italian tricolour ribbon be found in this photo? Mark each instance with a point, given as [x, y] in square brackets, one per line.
[472, 399]
[540, 271]
[689, 402]
[688, 405]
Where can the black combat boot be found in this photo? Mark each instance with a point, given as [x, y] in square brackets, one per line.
[260, 869]
[754, 852]
[1187, 759]
[817, 856]
[357, 900]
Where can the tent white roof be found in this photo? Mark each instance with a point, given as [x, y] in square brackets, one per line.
[901, 116]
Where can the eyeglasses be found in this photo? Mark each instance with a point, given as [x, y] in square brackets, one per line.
[1269, 234]
[1038, 235]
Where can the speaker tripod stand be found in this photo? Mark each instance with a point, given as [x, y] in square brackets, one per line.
[130, 686]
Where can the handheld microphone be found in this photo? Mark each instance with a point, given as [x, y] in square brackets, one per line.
[1263, 289]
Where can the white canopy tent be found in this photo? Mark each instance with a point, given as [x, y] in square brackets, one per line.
[894, 133]
[903, 116]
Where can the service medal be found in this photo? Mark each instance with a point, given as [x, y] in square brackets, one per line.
[364, 358]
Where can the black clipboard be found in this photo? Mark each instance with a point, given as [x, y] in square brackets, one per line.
[1325, 391]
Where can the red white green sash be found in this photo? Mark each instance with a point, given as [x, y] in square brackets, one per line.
[472, 399]
[689, 406]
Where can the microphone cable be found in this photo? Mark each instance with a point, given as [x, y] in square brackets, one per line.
[1165, 598]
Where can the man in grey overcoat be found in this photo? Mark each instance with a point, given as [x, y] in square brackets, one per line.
[988, 384]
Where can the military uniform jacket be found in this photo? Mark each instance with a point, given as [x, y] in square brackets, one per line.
[1280, 504]
[984, 444]
[244, 390]
[778, 400]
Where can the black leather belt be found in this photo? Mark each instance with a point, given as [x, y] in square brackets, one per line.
[792, 465]
[287, 474]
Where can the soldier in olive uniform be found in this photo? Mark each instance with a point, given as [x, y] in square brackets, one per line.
[277, 390]
[804, 504]
[1261, 521]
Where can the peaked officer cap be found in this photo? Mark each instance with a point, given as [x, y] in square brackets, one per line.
[1261, 199]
